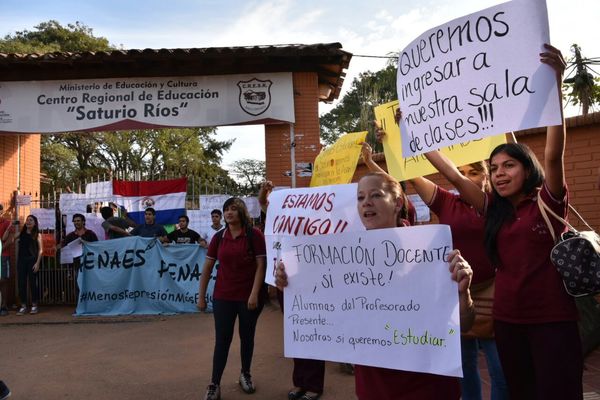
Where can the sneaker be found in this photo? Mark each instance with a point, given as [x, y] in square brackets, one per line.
[4, 391]
[213, 392]
[3, 312]
[22, 310]
[34, 310]
[246, 383]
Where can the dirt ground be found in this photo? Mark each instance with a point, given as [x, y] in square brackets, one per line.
[54, 355]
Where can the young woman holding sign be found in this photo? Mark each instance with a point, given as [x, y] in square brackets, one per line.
[467, 226]
[240, 249]
[379, 203]
[535, 320]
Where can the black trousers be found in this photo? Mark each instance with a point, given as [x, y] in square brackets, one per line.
[25, 274]
[225, 313]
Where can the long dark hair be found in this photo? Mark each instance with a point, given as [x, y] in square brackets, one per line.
[245, 218]
[35, 231]
[501, 209]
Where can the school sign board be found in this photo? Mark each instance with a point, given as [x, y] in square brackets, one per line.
[137, 103]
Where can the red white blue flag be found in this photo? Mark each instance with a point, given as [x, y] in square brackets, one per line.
[166, 197]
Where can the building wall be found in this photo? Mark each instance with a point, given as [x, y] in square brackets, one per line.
[29, 162]
[582, 169]
[306, 133]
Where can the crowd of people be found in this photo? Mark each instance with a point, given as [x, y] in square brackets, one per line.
[532, 346]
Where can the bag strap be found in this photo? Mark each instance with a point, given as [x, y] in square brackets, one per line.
[544, 209]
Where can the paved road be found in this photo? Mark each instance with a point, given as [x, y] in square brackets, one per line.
[140, 358]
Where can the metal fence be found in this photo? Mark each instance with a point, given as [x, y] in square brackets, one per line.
[58, 282]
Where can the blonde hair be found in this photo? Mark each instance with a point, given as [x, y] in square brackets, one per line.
[393, 187]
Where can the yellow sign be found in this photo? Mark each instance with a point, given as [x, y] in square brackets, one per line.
[336, 164]
[412, 167]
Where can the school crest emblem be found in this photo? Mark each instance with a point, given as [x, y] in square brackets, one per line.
[255, 96]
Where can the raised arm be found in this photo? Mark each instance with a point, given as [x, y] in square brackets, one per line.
[555, 135]
[469, 191]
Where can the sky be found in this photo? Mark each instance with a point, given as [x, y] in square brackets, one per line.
[375, 27]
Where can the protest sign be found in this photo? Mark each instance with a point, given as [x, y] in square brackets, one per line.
[46, 217]
[210, 202]
[139, 103]
[71, 251]
[422, 210]
[414, 166]
[308, 211]
[477, 76]
[136, 275]
[336, 164]
[382, 298]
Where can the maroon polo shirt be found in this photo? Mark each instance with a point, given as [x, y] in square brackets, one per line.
[467, 228]
[528, 287]
[237, 265]
[374, 383]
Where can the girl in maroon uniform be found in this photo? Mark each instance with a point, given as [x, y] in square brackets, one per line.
[240, 277]
[535, 320]
[379, 202]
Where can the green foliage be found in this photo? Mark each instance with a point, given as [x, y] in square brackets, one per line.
[250, 174]
[51, 36]
[581, 87]
[354, 113]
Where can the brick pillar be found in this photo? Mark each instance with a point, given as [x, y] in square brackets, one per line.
[306, 132]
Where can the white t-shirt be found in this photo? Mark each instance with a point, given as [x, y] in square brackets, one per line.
[208, 233]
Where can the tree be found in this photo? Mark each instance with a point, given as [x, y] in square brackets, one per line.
[582, 87]
[72, 158]
[354, 113]
[250, 174]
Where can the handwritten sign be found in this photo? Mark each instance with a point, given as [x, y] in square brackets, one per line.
[305, 212]
[477, 76]
[382, 298]
[411, 167]
[336, 164]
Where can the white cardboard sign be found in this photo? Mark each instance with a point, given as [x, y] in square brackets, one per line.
[382, 298]
[477, 76]
[306, 211]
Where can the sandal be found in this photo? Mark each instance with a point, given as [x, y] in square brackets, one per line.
[311, 396]
[296, 394]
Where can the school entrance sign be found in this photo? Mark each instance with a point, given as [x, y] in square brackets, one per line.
[135, 103]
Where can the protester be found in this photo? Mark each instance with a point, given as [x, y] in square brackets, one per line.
[241, 252]
[206, 236]
[183, 235]
[535, 320]
[80, 232]
[115, 227]
[150, 228]
[308, 375]
[467, 227]
[379, 201]
[6, 234]
[29, 257]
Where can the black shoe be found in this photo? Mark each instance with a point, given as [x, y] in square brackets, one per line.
[4, 391]
[246, 383]
[296, 394]
[3, 312]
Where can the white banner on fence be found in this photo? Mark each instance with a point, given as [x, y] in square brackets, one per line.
[210, 202]
[308, 211]
[127, 103]
[383, 298]
[46, 217]
[477, 76]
